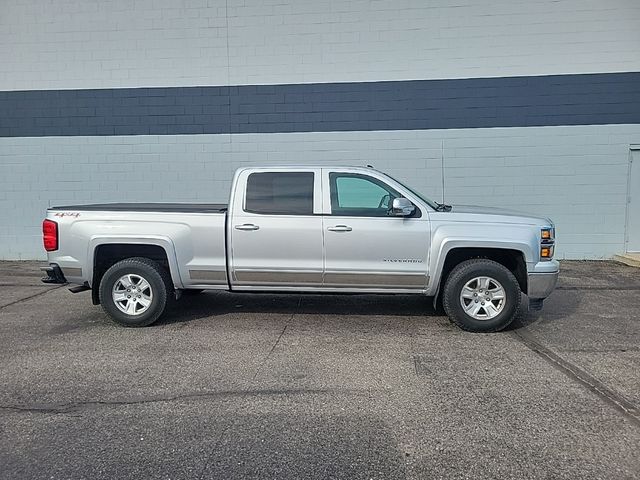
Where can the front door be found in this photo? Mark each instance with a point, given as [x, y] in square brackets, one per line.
[365, 248]
[276, 240]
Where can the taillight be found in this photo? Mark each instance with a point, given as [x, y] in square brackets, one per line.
[50, 235]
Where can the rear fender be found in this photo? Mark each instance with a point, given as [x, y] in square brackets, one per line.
[158, 240]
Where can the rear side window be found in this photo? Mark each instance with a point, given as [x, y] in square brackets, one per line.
[280, 193]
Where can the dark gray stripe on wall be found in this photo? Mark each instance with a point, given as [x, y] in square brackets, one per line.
[611, 98]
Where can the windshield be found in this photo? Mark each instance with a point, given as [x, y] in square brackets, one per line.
[426, 200]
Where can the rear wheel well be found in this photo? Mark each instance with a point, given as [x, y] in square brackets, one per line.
[111, 253]
[513, 260]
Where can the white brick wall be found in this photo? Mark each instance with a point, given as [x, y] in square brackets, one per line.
[576, 175]
[96, 43]
[124, 43]
[311, 41]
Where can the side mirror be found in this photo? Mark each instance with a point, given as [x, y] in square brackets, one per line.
[402, 207]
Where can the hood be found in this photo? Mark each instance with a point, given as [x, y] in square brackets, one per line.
[508, 216]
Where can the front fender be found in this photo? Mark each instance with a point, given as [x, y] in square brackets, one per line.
[446, 245]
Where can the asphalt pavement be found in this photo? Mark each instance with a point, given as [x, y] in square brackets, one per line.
[328, 387]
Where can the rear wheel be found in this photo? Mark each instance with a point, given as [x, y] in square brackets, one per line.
[481, 296]
[134, 292]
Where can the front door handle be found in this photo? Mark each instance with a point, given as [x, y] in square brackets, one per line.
[340, 228]
[247, 226]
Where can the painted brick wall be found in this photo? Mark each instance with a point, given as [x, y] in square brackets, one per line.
[576, 175]
[405, 39]
[125, 43]
[404, 105]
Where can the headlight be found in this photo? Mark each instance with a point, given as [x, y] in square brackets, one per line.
[547, 241]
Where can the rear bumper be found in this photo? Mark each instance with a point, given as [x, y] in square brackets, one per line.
[540, 285]
[54, 274]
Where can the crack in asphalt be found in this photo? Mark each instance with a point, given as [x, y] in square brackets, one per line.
[615, 289]
[278, 339]
[62, 408]
[602, 350]
[31, 296]
[574, 372]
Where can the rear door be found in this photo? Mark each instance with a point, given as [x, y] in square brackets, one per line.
[276, 230]
[365, 248]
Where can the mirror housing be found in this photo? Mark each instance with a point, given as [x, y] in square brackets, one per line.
[402, 207]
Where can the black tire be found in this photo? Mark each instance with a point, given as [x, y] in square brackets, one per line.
[466, 272]
[160, 285]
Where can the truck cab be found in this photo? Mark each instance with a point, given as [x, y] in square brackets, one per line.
[330, 229]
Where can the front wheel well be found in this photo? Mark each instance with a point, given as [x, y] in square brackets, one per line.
[111, 253]
[512, 259]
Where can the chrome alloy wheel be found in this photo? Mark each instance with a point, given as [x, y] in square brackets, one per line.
[482, 298]
[132, 294]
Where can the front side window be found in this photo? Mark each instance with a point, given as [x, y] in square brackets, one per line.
[280, 193]
[360, 195]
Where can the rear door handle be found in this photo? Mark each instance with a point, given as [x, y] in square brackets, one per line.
[340, 228]
[247, 226]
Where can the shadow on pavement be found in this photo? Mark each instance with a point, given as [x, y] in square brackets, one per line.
[563, 303]
[208, 304]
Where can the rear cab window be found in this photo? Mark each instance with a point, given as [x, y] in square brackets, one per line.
[280, 193]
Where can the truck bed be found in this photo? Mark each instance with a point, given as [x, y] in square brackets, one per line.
[148, 207]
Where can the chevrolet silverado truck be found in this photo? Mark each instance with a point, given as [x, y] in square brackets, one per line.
[305, 229]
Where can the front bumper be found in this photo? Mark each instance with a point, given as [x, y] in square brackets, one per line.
[54, 274]
[540, 285]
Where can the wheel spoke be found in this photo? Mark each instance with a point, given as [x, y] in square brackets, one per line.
[467, 292]
[144, 301]
[497, 294]
[490, 309]
[484, 283]
[119, 296]
[131, 307]
[143, 285]
[472, 308]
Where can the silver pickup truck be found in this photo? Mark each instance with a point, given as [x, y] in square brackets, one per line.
[305, 229]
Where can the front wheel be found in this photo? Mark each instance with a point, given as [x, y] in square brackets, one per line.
[481, 296]
[134, 291]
